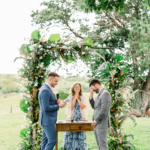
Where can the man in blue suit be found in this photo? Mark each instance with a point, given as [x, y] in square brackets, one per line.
[48, 111]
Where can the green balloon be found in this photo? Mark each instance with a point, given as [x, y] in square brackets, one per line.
[23, 133]
[36, 35]
[54, 37]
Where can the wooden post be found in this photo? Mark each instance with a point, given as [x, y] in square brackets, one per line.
[10, 109]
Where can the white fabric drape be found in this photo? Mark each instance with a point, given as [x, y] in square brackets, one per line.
[70, 113]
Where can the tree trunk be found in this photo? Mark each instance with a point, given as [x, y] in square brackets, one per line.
[145, 98]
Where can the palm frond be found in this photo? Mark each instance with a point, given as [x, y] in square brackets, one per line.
[112, 77]
[134, 121]
[18, 58]
[112, 132]
[33, 55]
[122, 118]
[128, 135]
[98, 54]
[131, 95]
[127, 142]
[21, 52]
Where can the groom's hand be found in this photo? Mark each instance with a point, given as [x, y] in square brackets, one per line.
[94, 124]
[91, 93]
[58, 101]
[61, 105]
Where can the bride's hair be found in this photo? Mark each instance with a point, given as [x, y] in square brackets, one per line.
[72, 89]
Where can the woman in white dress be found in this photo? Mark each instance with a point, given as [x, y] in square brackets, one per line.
[76, 110]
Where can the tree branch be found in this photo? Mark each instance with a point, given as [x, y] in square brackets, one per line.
[102, 47]
[113, 20]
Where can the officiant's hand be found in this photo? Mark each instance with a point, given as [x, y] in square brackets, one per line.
[94, 124]
[76, 96]
[58, 101]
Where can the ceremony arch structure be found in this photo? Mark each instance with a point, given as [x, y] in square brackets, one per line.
[38, 55]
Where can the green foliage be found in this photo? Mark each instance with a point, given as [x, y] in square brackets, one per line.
[54, 37]
[25, 48]
[36, 35]
[63, 95]
[46, 60]
[23, 133]
[105, 5]
[90, 42]
[24, 104]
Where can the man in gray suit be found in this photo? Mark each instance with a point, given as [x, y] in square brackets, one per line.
[101, 116]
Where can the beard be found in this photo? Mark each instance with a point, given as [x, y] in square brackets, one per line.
[96, 90]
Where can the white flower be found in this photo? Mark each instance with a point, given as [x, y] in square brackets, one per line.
[55, 42]
[36, 84]
[29, 108]
[38, 131]
[53, 45]
[41, 57]
[28, 132]
[83, 52]
[26, 102]
[30, 121]
[41, 49]
[39, 46]
[79, 46]
[86, 48]
[98, 45]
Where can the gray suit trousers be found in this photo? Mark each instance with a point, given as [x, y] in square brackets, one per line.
[101, 137]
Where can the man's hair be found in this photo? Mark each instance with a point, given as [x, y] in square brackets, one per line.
[94, 81]
[53, 74]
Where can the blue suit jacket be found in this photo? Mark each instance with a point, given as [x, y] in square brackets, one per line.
[48, 106]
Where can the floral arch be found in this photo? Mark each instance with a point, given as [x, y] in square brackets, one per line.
[38, 55]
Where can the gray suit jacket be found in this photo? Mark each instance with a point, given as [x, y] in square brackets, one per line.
[101, 107]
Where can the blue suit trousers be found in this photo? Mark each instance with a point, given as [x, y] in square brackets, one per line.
[49, 138]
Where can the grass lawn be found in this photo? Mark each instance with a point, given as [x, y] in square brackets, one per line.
[11, 124]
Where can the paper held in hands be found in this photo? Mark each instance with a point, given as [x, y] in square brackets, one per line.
[66, 100]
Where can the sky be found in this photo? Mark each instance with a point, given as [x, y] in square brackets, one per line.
[15, 25]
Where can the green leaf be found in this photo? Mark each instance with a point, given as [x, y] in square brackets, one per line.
[109, 65]
[36, 35]
[25, 48]
[88, 57]
[21, 70]
[18, 58]
[66, 57]
[24, 106]
[46, 60]
[119, 58]
[54, 37]
[23, 133]
[90, 42]
[71, 60]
